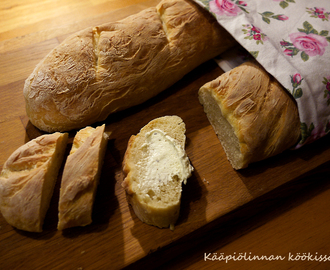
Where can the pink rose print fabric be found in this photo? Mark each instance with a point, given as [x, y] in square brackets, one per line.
[291, 40]
[326, 82]
[254, 33]
[319, 13]
[224, 7]
[311, 44]
[308, 41]
[227, 7]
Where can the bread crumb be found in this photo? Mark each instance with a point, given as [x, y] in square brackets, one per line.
[204, 180]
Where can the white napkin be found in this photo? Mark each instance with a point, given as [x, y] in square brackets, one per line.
[291, 40]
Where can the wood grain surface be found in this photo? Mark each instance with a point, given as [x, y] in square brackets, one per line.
[277, 207]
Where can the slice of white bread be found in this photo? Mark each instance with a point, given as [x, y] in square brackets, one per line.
[80, 178]
[28, 179]
[155, 165]
[252, 114]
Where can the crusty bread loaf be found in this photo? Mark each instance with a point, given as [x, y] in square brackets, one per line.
[253, 116]
[114, 66]
[81, 176]
[28, 179]
[155, 165]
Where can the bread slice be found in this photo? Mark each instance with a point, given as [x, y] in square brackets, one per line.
[81, 176]
[155, 165]
[28, 179]
[252, 114]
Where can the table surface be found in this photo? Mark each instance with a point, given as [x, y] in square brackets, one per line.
[272, 215]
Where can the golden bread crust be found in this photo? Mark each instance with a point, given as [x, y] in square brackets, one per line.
[155, 212]
[27, 181]
[263, 117]
[81, 177]
[117, 65]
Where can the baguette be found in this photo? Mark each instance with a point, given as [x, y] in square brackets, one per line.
[80, 177]
[104, 69]
[28, 179]
[155, 166]
[252, 114]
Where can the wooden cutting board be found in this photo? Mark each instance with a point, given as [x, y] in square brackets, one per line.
[117, 238]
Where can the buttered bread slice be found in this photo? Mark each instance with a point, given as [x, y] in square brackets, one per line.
[28, 179]
[81, 176]
[155, 165]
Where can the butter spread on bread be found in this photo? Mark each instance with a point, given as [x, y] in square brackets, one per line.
[166, 160]
[252, 114]
[80, 178]
[28, 179]
[108, 68]
[155, 165]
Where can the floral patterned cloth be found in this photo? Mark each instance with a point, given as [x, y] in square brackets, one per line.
[291, 40]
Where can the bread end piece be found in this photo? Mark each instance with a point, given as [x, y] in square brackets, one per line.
[155, 165]
[252, 114]
[28, 179]
[81, 177]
